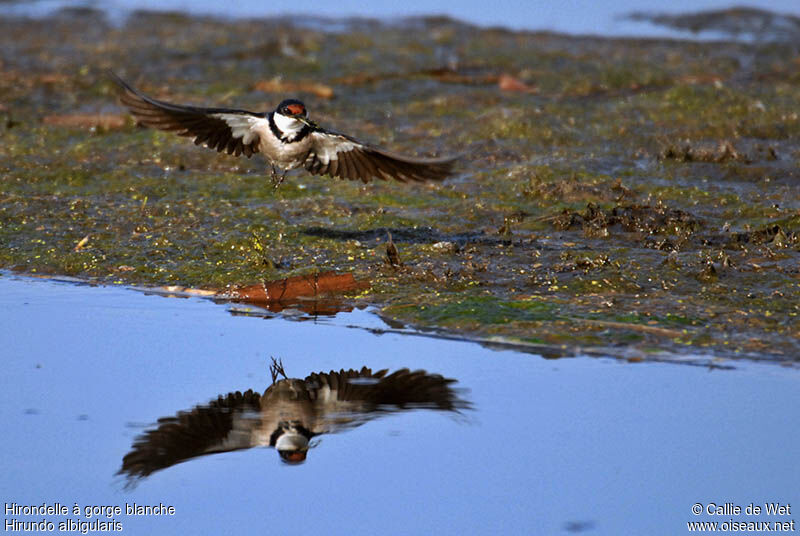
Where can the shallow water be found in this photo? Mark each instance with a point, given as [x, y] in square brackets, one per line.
[575, 17]
[549, 446]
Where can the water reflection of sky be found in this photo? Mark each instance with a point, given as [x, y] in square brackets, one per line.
[572, 16]
[595, 444]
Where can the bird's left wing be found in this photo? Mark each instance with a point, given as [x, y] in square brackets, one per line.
[341, 156]
[349, 398]
[222, 129]
[225, 424]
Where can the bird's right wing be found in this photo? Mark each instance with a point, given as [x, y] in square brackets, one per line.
[222, 129]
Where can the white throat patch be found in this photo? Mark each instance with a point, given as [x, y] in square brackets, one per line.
[288, 125]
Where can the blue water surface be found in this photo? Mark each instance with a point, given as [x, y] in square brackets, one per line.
[570, 16]
[551, 446]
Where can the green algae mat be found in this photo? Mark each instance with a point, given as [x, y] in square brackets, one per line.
[636, 196]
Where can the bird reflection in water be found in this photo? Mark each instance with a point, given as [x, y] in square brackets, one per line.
[287, 416]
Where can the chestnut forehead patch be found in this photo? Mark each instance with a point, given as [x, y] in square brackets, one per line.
[296, 109]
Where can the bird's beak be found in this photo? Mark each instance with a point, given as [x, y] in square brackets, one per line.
[306, 121]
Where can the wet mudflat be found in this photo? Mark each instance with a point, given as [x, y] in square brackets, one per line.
[630, 195]
[600, 446]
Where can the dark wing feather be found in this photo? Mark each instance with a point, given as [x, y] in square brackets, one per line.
[221, 129]
[341, 156]
[349, 398]
[222, 425]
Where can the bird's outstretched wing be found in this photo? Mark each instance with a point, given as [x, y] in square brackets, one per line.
[349, 398]
[222, 425]
[341, 156]
[222, 129]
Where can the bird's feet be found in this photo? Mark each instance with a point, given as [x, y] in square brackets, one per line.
[276, 369]
[277, 179]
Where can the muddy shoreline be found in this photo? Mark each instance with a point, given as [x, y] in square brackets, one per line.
[617, 193]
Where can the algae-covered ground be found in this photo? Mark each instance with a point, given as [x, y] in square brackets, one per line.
[632, 195]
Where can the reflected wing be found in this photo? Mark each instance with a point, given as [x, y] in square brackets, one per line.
[222, 425]
[223, 129]
[341, 156]
[346, 399]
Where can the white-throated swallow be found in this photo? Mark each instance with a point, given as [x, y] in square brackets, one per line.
[286, 137]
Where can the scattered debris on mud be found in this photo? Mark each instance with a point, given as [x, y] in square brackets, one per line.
[626, 194]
